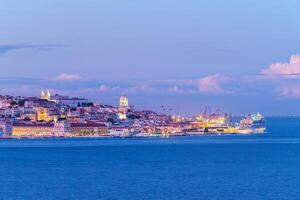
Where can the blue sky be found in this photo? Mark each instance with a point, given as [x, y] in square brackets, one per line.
[182, 54]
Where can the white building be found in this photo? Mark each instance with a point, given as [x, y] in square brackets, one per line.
[4, 104]
[46, 95]
[68, 101]
[123, 107]
[62, 128]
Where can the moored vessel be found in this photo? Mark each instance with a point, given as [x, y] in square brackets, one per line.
[254, 123]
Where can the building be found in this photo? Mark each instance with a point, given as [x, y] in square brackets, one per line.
[68, 101]
[58, 129]
[119, 131]
[5, 128]
[28, 116]
[43, 115]
[123, 107]
[32, 130]
[88, 129]
[123, 102]
[4, 103]
[45, 95]
[62, 128]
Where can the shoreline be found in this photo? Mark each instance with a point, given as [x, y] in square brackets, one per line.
[130, 137]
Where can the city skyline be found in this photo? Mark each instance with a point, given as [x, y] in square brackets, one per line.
[240, 56]
[150, 99]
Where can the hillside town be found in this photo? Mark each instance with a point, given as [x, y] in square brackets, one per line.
[63, 116]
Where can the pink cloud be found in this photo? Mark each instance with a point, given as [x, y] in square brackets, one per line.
[68, 77]
[213, 83]
[291, 68]
[289, 90]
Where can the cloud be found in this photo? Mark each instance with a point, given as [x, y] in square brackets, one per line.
[213, 84]
[289, 90]
[103, 88]
[106, 88]
[6, 48]
[291, 68]
[284, 77]
[68, 77]
[207, 85]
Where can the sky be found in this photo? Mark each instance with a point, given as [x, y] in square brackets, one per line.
[237, 56]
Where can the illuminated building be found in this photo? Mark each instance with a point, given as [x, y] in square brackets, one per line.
[177, 119]
[88, 129]
[32, 130]
[62, 128]
[43, 115]
[216, 121]
[45, 95]
[199, 118]
[123, 107]
[122, 116]
[199, 123]
[123, 102]
[58, 129]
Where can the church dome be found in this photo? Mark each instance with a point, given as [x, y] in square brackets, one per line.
[123, 101]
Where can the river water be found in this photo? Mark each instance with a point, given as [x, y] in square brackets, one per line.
[199, 167]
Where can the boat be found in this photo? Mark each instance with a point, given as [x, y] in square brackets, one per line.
[254, 123]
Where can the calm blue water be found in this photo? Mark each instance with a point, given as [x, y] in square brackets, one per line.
[204, 167]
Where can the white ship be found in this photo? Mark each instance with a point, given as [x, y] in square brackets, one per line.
[252, 124]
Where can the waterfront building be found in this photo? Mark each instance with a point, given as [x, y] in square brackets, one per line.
[58, 129]
[197, 124]
[5, 128]
[88, 129]
[32, 130]
[119, 131]
[62, 128]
